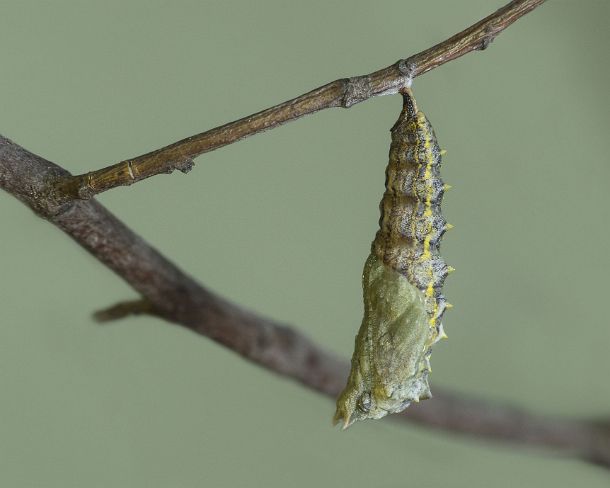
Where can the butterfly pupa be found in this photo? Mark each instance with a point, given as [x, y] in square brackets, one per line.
[402, 279]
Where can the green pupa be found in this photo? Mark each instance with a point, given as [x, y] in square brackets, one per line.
[402, 279]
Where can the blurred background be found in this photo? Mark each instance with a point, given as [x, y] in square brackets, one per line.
[282, 223]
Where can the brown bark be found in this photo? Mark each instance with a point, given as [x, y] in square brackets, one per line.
[344, 93]
[171, 294]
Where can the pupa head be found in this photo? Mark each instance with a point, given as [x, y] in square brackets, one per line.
[355, 404]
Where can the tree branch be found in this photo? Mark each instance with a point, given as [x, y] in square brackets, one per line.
[124, 309]
[171, 294]
[174, 296]
[344, 93]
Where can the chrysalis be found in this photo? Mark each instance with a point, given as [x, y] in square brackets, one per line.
[402, 279]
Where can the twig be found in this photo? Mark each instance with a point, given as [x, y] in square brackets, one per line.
[344, 93]
[176, 297]
[122, 310]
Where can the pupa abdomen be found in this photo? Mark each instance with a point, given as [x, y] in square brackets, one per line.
[402, 279]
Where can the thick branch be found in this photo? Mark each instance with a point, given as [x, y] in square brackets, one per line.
[340, 93]
[176, 297]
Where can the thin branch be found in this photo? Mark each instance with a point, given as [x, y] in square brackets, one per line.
[177, 298]
[344, 93]
[122, 310]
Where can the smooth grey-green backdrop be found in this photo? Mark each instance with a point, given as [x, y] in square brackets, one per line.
[282, 223]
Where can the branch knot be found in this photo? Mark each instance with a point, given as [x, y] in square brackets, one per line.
[357, 90]
[407, 68]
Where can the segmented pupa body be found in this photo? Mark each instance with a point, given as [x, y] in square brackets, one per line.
[402, 279]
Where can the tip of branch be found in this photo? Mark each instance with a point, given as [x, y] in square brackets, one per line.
[122, 310]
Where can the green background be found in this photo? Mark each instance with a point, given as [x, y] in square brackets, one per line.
[282, 223]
